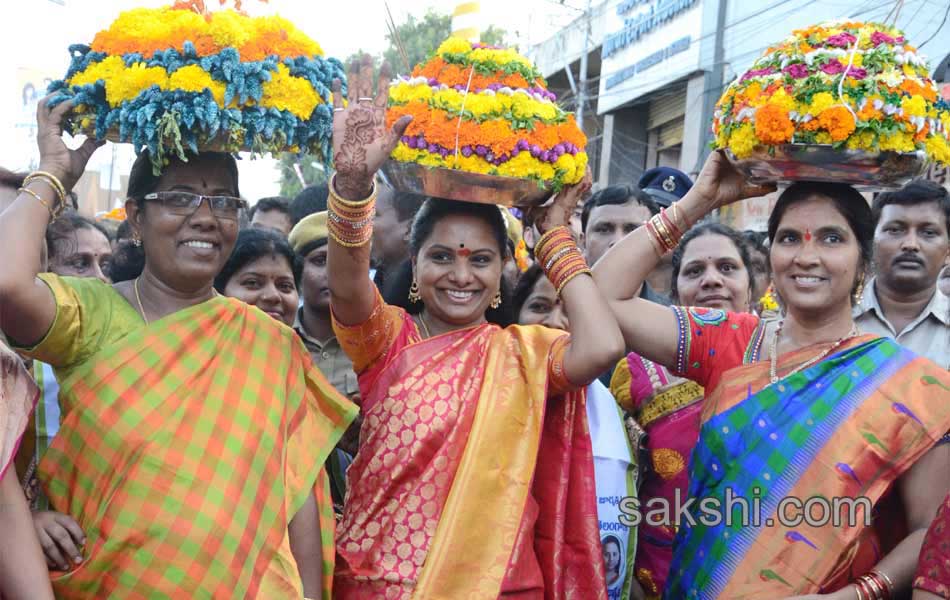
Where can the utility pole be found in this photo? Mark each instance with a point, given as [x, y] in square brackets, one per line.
[714, 80]
[582, 82]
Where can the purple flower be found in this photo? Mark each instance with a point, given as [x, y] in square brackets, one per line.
[832, 67]
[481, 150]
[433, 81]
[559, 149]
[757, 73]
[842, 40]
[546, 156]
[535, 150]
[433, 148]
[515, 151]
[411, 142]
[466, 151]
[523, 145]
[444, 152]
[878, 38]
[503, 158]
[857, 73]
[797, 71]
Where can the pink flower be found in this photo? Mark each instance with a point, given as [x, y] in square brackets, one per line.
[842, 40]
[797, 71]
[757, 73]
[832, 67]
[878, 38]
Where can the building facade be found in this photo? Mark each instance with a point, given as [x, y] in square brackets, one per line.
[657, 67]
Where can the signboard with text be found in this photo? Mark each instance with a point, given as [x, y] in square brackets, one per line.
[649, 43]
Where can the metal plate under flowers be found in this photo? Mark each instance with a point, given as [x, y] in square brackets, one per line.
[815, 162]
[462, 185]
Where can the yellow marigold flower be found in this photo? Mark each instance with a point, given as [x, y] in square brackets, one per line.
[193, 78]
[229, 28]
[128, 82]
[454, 45]
[107, 68]
[567, 163]
[404, 153]
[742, 142]
[820, 102]
[938, 149]
[838, 122]
[286, 92]
[914, 106]
[864, 140]
[407, 92]
[782, 99]
[823, 137]
[857, 61]
[898, 142]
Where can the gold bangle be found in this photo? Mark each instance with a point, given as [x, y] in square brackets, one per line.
[50, 180]
[39, 199]
[887, 580]
[678, 216]
[352, 203]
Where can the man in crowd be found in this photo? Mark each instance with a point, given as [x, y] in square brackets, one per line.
[394, 213]
[314, 326]
[272, 213]
[312, 199]
[608, 216]
[665, 186]
[911, 246]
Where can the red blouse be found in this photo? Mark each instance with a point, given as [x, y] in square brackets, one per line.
[933, 569]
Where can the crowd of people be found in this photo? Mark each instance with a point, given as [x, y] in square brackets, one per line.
[356, 393]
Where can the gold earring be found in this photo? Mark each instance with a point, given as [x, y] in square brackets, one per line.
[136, 240]
[496, 301]
[414, 292]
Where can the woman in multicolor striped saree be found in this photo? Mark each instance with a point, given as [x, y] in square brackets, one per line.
[799, 411]
[474, 477]
[194, 426]
[711, 268]
[22, 569]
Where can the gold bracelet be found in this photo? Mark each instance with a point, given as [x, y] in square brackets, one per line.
[887, 580]
[23, 190]
[678, 216]
[50, 180]
[352, 203]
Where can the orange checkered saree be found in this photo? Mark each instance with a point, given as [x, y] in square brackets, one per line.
[475, 474]
[186, 448]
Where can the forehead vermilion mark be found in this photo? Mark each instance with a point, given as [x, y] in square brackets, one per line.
[463, 251]
[808, 235]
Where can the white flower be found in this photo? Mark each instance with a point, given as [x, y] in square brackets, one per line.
[878, 104]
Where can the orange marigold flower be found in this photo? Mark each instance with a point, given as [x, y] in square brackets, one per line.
[838, 122]
[772, 125]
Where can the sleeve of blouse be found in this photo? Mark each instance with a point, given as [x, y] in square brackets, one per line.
[933, 570]
[368, 342]
[711, 341]
[82, 316]
[558, 383]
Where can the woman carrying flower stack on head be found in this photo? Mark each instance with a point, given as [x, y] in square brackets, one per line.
[804, 408]
[711, 269]
[475, 476]
[194, 426]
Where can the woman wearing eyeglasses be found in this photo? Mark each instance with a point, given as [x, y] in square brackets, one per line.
[193, 427]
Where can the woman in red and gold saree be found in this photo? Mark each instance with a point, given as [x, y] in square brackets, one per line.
[933, 572]
[811, 412]
[711, 268]
[194, 426]
[22, 568]
[474, 477]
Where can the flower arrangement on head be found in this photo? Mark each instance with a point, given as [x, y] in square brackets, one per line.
[180, 77]
[857, 86]
[486, 110]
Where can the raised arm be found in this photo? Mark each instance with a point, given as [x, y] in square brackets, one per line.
[361, 144]
[595, 343]
[27, 307]
[650, 329]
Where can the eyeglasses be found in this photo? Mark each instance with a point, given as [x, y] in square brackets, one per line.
[186, 203]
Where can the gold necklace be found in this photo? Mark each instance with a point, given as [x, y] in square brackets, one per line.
[138, 299]
[425, 327]
[773, 351]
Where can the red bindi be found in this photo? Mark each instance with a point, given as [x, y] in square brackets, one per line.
[808, 235]
[464, 252]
